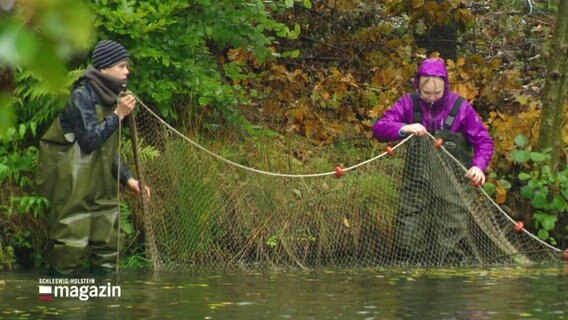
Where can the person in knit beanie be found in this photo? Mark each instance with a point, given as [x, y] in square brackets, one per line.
[79, 165]
[108, 53]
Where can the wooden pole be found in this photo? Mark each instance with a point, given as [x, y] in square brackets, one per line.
[150, 237]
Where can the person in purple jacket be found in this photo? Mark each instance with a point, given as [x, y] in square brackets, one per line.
[425, 187]
[436, 101]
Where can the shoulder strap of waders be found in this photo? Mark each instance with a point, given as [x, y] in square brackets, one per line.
[452, 115]
[417, 114]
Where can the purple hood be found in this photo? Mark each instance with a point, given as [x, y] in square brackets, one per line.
[434, 67]
[467, 121]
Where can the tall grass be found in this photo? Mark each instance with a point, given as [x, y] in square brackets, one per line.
[209, 212]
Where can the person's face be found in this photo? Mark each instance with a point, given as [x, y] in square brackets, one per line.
[432, 89]
[119, 70]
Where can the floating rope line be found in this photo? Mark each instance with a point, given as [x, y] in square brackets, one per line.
[498, 207]
[184, 219]
[268, 173]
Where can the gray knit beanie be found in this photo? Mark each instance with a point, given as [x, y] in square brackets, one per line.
[107, 53]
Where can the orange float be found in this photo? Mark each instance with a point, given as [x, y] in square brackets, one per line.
[338, 172]
[438, 143]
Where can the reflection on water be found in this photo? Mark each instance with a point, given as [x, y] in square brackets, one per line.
[499, 293]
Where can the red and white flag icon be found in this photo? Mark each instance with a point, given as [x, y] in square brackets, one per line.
[45, 293]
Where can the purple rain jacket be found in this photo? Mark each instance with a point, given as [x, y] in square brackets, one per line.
[467, 121]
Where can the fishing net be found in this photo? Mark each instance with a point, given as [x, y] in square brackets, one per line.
[409, 205]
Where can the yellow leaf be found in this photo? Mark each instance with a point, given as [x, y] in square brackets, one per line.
[310, 128]
[377, 111]
[466, 90]
[464, 75]
[383, 77]
[510, 79]
[417, 3]
[324, 94]
[237, 54]
[460, 62]
[450, 64]
[335, 127]
[494, 64]
[522, 100]
[501, 195]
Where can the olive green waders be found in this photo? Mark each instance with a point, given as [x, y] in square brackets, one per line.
[83, 197]
[432, 221]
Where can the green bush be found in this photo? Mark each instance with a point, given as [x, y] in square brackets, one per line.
[544, 190]
[180, 57]
[179, 49]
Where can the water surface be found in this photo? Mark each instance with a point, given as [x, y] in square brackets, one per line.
[496, 293]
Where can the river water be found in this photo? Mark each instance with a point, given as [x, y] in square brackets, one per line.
[493, 293]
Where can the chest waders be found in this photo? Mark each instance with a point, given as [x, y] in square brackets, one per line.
[454, 142]
[83, 197]
[432, 221]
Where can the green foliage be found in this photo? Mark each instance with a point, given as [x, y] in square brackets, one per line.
[133, 253]
[16, 161]
[125, 222]
[40, 37]
[547, 192]
[7, 258]
[215, 55]
[426, 14]
[145, 151]
[22, 235]
[7, 116]
[194, 199]
[37, 38]
[18, 208]
[179, 49]
[179, 54]
[28, 204]
[36, 103]
[137, 260]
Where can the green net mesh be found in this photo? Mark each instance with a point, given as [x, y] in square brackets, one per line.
[209, 209]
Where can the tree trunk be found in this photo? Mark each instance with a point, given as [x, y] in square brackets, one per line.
[554, 96]
[442, 39]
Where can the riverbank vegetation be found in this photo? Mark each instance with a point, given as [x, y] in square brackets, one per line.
[312, 74]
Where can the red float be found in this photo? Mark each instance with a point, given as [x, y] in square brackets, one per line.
[338, 172]
[438, 143]
[390, 151]
[519, 226]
